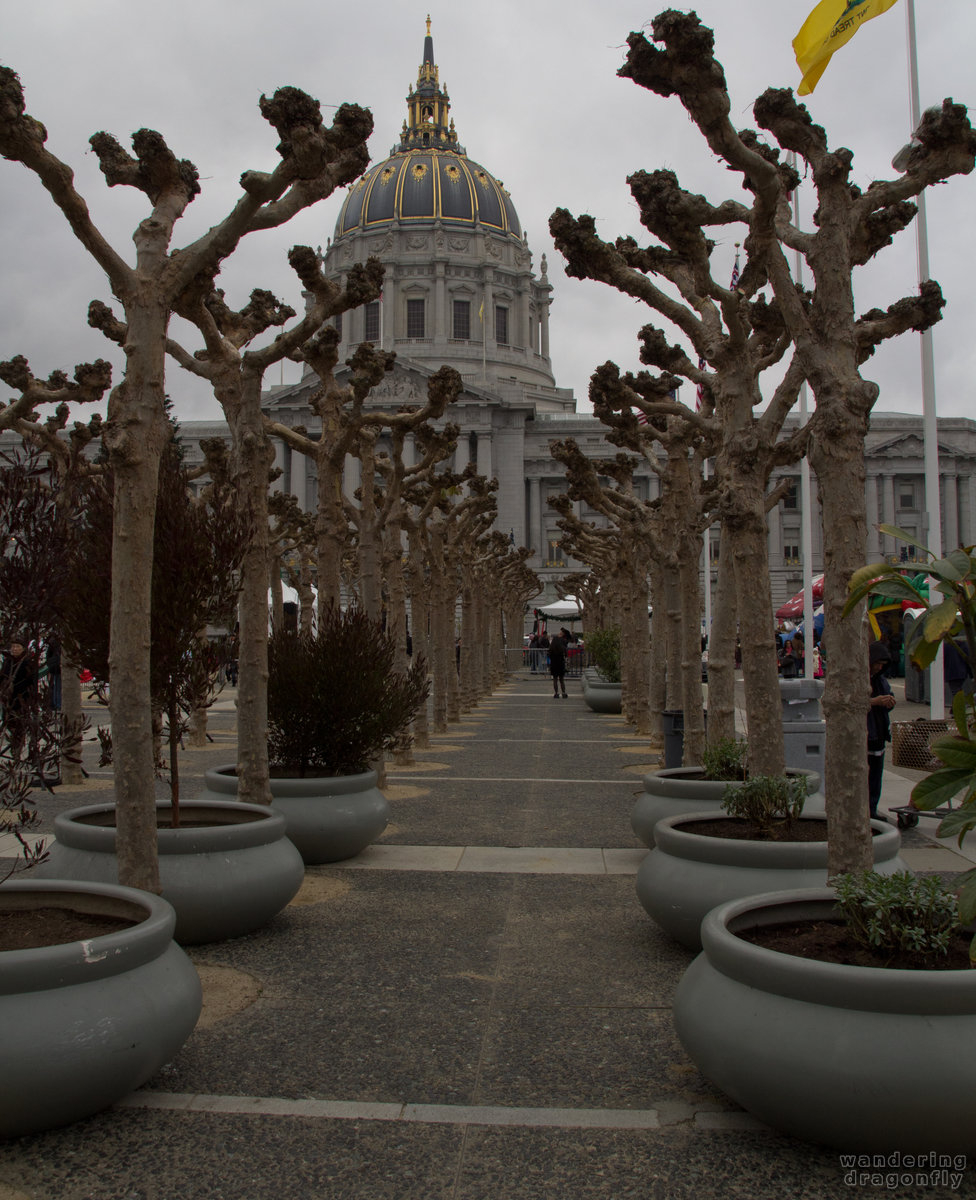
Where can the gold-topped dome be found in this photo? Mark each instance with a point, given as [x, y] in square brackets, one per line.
[428, 175]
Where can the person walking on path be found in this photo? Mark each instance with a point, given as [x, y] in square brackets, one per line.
[557, 665]
[879, 723]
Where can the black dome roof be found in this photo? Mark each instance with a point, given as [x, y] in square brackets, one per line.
[428, 176]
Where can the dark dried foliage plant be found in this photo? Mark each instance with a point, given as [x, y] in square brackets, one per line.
[335, 699]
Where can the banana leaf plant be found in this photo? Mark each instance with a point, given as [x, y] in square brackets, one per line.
[950, 615]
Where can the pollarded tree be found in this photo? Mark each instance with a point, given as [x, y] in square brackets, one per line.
[343, 416]
[314, 160]
[736, 337]
[831, 341]
[236, 371]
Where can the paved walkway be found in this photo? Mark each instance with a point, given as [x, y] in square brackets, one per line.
[477, 1007]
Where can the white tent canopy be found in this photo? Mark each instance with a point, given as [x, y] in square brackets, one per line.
[566, 609]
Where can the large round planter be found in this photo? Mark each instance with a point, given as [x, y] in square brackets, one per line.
[86, 1022]
[680, 791]
[329, 818]
[864, 1059]
[688, 873]
[603, 697]
[226, 871]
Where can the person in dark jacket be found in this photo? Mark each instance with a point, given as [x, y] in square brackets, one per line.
[18, 678]
[557, 665]
[879, 723]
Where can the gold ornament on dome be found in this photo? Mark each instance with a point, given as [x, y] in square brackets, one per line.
[418, 170]
[482, 178]
[387, 175]
[453, 173]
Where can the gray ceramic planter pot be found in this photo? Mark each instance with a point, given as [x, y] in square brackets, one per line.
[87, 1022]
[864, 1059]
[225, 877]
[603, 697]
[329, 818]
[688, 873]
[680, 791]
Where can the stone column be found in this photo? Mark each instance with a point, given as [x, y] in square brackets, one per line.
[774, 528]
[967, 513]
[950, 512]
[282, 461]
[484, 454]
[443, 320]
[488, 300]
[351, 475]
[544, 323]
[535, 517]
[888, 509]
[871, 501]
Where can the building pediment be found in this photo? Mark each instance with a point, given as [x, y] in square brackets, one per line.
[911, 446]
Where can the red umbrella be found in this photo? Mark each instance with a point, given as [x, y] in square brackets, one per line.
[794, 606]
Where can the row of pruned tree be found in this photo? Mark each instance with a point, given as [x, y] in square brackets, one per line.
[418, 529]
[720, 341]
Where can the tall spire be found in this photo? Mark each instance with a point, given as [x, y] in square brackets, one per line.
[428, 125]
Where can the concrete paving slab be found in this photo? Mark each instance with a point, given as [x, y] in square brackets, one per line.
[532, 860]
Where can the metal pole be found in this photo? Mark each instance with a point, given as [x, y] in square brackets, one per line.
[933, 534]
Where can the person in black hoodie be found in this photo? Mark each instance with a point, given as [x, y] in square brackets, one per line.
[557, 665]
[879, 723]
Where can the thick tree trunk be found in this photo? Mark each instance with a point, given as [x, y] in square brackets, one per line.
[838, 461]
[331, 530]
[134, 437]
[750, 560]
[441, 652]
[467, 687]
[721, 649]
[306, 597]
[276, 592]
[419, 618]
[254, 458]
[134, 510]
[72, 715]
[690, 630]
[656, 660]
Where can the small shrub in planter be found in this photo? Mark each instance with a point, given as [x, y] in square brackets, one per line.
[900, 915]
[726, 761]
[772, 803]
[604, 649]
[334, 698]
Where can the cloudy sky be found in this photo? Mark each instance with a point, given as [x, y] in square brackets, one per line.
[536, 101]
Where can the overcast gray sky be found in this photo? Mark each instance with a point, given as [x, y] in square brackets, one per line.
[536, 100]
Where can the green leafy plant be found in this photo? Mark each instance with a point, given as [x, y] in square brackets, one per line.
[898, 914]
[952, 617]
[767, 801]
[603, 646]
[334, 698]
[726, 760]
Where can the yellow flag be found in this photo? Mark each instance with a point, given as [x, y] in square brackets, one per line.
[481, 312]
[831, 25]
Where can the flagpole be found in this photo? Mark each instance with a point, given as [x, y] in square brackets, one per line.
[933, 505]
